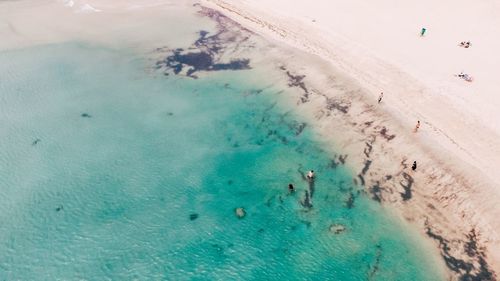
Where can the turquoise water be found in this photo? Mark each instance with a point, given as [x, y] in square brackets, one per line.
[111, 172]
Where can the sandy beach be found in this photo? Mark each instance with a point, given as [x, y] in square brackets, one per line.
[337, 57]
[377, 48]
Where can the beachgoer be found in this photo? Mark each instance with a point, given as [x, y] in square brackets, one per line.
[380, 97]
[291, 188]
[310, 175]
[422, 32]
[417, 126]
[414, 166]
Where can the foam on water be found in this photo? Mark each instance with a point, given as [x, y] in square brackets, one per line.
[111, 172]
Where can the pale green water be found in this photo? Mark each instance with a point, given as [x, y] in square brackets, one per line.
[110, 197]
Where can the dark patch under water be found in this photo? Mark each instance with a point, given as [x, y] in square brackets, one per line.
[376, 192]
[350, 201]
[375, 267]
[208, 51]
[201, 61]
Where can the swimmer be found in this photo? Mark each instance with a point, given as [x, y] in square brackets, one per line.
[310, 175]
[291, 188]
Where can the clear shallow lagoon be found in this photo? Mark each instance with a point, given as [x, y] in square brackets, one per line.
[109, 171]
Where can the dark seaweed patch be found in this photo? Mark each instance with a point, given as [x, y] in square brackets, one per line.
[406, 184]
[297, 81]
[375, 267]
[297, 127]
[385, 135]
[366, 167]
[337, 228]
[207, 52]
[376, 192]
[306, 202]
[337, 104]
[467, 270]
[201, 61]
[362, 179]
[334, 163]
[349, 203]
[342, 158]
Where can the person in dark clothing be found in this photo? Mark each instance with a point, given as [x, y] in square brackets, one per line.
[291, 188]
[414, 166]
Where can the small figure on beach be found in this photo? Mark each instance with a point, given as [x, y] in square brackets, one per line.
[414, 166]
[422, 32]
[291, 188]
[465, 44]
[310, 175]
[465, 76]
[417, 126]
[380, 97]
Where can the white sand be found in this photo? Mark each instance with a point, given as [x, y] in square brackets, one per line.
[378, 46]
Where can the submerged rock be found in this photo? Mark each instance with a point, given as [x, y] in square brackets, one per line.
[337, 228]
[193, 216]
[240, 212]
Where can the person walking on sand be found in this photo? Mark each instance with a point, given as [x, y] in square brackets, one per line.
[417, 126]
[380, 97]
[422, 32]
[414, 166]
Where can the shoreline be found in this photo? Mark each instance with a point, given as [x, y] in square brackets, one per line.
[450, 200]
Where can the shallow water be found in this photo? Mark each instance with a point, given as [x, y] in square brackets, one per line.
[110, 171]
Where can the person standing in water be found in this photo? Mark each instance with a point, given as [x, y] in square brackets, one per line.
[414, 166]
[422, 32]
[310, 175]
[380, 97]
[291, 188]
